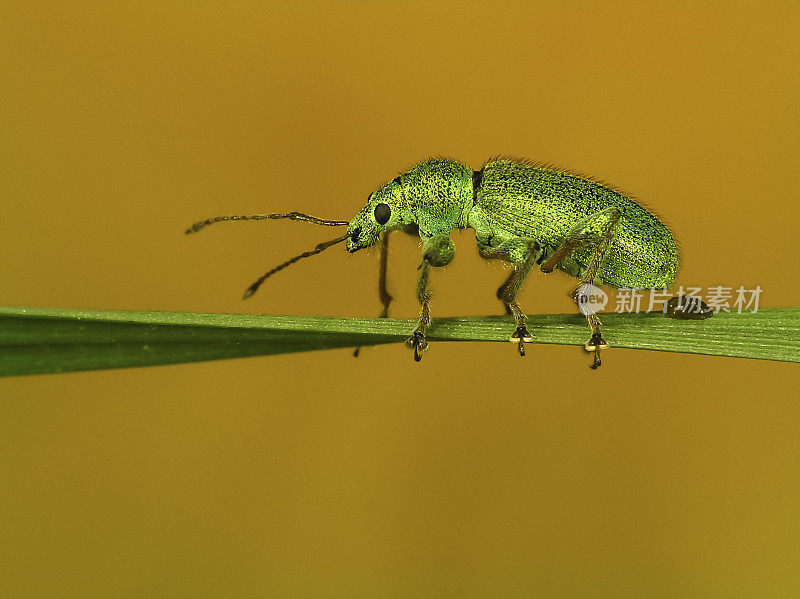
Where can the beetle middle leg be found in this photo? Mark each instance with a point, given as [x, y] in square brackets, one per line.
[522, 252]
[597, 230]
[437, 251]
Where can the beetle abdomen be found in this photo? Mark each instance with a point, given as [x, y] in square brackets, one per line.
[517, 199]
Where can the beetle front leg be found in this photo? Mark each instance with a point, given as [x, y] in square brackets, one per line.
[522, 252]
[437, 251]
[417, 341]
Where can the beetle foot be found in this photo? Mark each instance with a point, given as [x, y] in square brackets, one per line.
[521, 336]
[418, 343]
[595, 344]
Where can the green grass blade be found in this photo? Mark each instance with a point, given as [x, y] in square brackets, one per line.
[43, 340]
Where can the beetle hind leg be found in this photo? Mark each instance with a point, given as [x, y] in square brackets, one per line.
[596, 342]
[597, 230]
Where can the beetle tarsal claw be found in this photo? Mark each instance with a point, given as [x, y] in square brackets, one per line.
[596, 343]
[418, 343]
[590, 347]
[521, 336]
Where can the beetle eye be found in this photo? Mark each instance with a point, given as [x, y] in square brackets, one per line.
[382, 214]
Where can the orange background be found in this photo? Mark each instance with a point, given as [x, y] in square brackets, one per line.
[474, 473]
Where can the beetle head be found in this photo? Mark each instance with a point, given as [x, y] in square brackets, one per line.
[381, 213]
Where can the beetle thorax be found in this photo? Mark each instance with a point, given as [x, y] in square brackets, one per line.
[437, 195]
[433, 198]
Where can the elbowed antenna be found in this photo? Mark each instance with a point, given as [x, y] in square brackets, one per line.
[291, 215]
[320, 248]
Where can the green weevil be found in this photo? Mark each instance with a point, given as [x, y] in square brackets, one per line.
[525, 213]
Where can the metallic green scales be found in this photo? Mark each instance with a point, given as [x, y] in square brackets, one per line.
[509, 199]
[433, 197]
[516, 199]
[525, 214]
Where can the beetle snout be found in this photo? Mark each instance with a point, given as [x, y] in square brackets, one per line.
[361, 235]
[353, 236]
